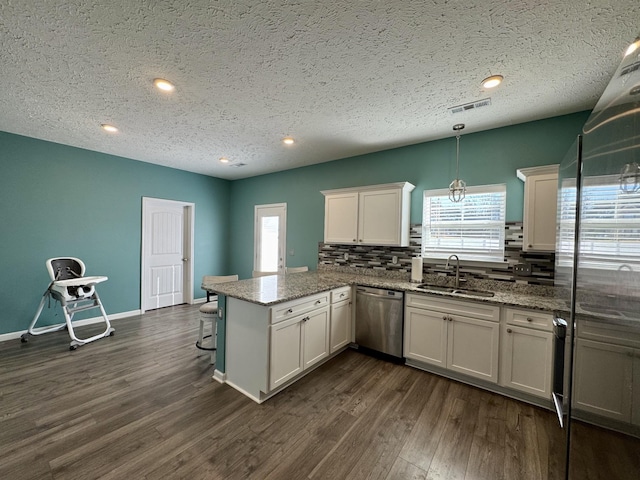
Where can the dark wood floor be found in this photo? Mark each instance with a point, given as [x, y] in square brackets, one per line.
[142, 405]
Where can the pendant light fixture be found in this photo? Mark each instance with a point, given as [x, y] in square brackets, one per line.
[630, 178]
[457, 188]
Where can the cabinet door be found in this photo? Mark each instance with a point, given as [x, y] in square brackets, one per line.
[539, 230]
[340, 325]
[425, 336]
[341, 218]
[527, 356]
[602, 379]
[472, 347]
[380, 217]
[286, 351]
[315, 330]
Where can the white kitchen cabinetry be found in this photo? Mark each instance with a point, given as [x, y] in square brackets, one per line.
[540, 207]
[341, 314]
[457, 335]
[606, 375]
[603, 379]
[373, 215]
[527, 352]
[268, 348]
[297, 344]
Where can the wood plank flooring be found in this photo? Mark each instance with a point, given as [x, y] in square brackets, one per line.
[142, 405]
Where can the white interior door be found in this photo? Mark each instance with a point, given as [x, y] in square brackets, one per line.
[270, 237]
[166, 253]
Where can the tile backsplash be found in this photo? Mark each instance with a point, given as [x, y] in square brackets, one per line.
[381, 259]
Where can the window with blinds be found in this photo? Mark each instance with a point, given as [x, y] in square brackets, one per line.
[472, 229]
[609, 224]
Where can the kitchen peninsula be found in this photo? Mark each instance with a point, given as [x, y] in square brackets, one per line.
[272, 330]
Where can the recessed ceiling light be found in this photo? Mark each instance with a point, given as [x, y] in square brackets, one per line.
[163, 84]
[632, 48]
[492, 81]
[109, 128]
[224, 160]
[288, 141]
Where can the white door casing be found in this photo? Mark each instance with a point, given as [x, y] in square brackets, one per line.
[270, 234]
[167, 253]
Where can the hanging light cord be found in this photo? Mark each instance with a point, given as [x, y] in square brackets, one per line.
[457, 188]
[458, 155]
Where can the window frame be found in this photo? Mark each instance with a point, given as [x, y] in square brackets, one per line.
[496, 234]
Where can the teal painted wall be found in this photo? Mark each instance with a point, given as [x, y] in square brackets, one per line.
[60, 200]
[57, 200]
[485, 158]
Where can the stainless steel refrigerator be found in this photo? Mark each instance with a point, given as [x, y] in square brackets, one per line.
[597, 275]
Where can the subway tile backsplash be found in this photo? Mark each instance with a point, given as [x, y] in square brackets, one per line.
[396, 261]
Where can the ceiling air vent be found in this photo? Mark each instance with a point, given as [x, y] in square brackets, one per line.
[238, 165]
[485, 102]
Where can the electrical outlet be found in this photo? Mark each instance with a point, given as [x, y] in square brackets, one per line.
[522, 269]
[394, 259]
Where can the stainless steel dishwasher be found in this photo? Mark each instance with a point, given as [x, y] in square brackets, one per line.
[379, 320]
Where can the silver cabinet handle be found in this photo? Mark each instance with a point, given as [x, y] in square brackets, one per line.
[290, 311]
[509, 330]
[444, 317]
[305, 319]
[451, 319]
[318, 302]
[529, 319]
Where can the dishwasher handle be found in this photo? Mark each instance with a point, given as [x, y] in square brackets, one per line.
[396, 296]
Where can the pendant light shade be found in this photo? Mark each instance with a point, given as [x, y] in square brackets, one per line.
[457, 188]
[630, 178]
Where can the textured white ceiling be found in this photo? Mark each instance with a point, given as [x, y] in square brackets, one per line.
[342, 77]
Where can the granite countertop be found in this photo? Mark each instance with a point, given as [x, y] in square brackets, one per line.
[276, 289]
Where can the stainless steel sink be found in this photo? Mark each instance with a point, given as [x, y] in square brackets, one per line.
[476, 293]
[463, 291]
[436, 288]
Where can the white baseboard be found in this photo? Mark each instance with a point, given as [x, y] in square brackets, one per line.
[199, 300]
[87, 321]
[219, 376]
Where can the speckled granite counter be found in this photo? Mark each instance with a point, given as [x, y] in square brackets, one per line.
[276, 289]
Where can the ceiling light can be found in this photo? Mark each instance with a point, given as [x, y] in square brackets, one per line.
[288, 141]
[164, 85]
[492, 81]
[108, 128]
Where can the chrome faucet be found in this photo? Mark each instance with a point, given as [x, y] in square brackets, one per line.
[457, 284]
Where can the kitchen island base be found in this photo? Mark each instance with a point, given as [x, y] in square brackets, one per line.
[268, 349]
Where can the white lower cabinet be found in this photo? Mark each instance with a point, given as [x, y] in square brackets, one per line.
[527, 352]
[603, 379]
[297, 344]
[456, 335]
[526, 363]
[472, 347]
[340, 325]
[425, 336]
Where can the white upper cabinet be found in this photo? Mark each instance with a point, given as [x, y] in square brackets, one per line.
[374, 215]
[540, 207]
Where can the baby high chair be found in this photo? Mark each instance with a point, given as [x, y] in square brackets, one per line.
[75, 294]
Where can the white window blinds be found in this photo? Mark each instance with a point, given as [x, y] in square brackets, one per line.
[609, 224]
[472, 229]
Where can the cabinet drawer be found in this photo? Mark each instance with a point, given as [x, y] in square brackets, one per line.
[529, 318]
[606, 332]
[456, 307]
[296, 307]
[340, 294]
